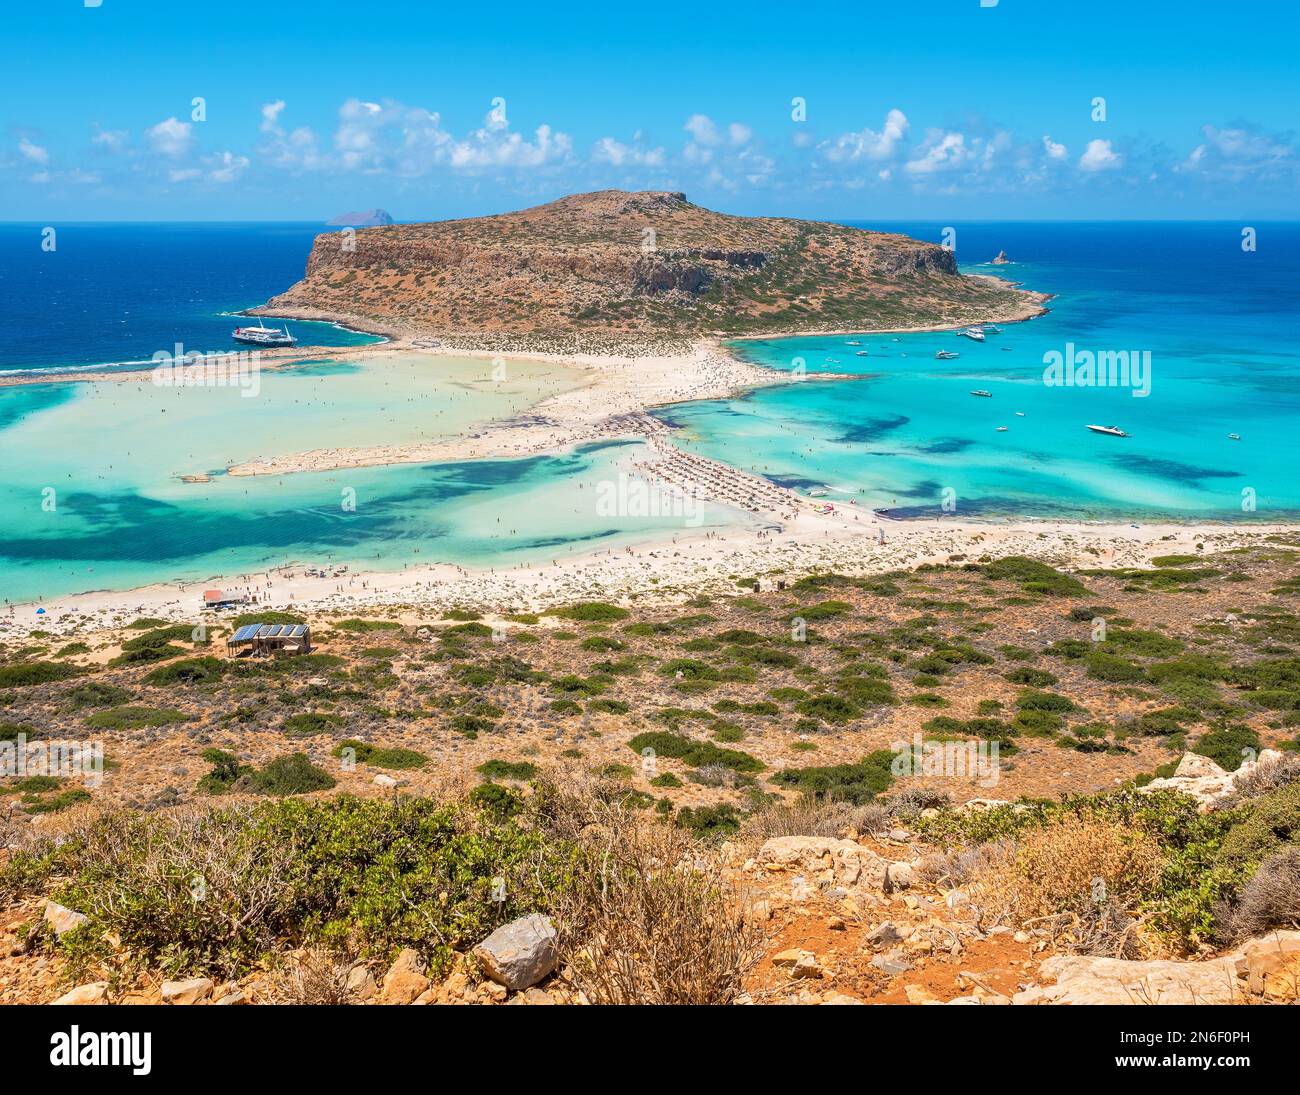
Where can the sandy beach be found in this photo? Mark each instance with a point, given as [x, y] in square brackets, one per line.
[686, 564]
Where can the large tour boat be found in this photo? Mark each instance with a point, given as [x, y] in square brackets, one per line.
[262, 335]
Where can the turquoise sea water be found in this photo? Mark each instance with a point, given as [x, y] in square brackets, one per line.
[1221, 325]
[91, 495]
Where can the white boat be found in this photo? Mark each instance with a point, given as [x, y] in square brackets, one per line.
[1112, 431]
[1020, 414]
[982, 392]
[1002, 429]
[853, 342]
[946, 355]
[1234, 437]
[976, 333]
[862, 353]
[261, 335]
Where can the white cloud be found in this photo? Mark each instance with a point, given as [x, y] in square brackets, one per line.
[1054, 150]
[494, 147]
[271, 116]
[702, 130]
[113, 140]
[867, 144]
[410, 141]
[226, 167]
[1241, 151]
[611, 151]
[33, 152]
[170, 137]
[1099, 156]
[739, 134]
[941, 152]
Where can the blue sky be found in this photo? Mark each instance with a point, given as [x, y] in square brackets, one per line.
[920, 109]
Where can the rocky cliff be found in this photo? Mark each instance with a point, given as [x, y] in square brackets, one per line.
[647, 264]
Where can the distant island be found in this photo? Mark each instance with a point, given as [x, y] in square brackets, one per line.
[646, 265]
[371, 218]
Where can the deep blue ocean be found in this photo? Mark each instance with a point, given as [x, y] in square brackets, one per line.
[111, 293]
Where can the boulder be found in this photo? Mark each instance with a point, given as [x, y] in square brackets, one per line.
[1270, 964]
[1205, 781]
[361, 983]
[1195, 766]
[405, 979]
[191, 991]
[95, 993]
[1085, 980]
[519, 954]
[841, 862]
[62, 919]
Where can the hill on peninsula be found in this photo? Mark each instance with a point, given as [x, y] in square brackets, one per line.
[646, 265]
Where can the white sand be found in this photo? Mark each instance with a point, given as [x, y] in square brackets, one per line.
[846, 542]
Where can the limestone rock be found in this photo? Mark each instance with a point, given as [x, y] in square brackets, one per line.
[191, 991]
[361, 983]
[62, 919]
[1084, 980]
[95, 993]
[405, 979]
[519, 954]
[1205, 781]
[841, 861]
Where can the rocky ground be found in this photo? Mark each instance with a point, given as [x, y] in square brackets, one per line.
[709, 716]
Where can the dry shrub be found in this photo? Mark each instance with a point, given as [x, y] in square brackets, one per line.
[313, 975]
[1265, 777]
[908, 804]
[956, 868]
[1271, 899]
[1078, 877]
[651, 917]
[808, 816]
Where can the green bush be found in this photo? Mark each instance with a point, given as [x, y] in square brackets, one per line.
[306, 723]
[290, 775]
[96, 694]
[1228, 746]
[1265, 825]
[380, 756]
[372, 875]
[854, 783]
[709, 822]
[25, 674]
[132, 718]
[697, 754]
[507, 769]
[590, 611]
[189, 671]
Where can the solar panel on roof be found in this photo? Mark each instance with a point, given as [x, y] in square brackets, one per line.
[299, 631]
[244, 633]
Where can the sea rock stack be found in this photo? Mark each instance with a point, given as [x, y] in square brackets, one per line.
[1001, 259]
